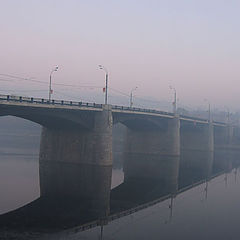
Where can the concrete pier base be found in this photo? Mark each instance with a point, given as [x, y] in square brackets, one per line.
[153, 156]
[223, 157]
[223, 150]
[235, 146]
[77, 164]
[197, 153]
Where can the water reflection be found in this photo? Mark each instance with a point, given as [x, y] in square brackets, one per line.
[193, 216]
[167, 205]
[19, 181]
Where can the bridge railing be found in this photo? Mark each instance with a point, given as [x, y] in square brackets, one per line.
[194, 118]
[134, 109]
[13, 98]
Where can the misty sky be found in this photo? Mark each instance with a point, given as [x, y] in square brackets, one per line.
[192, 45]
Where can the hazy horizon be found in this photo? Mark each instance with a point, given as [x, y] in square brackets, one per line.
[191, 45]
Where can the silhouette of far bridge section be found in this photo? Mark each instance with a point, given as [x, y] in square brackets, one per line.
[75, 159]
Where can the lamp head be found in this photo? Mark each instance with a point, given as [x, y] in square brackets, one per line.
[103, 68]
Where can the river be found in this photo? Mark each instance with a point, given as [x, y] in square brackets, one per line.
[198, 213]
[208, 210]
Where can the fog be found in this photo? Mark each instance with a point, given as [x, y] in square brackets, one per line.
[191, 45]
[172, 175]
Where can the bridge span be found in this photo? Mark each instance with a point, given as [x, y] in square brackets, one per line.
[75, 159]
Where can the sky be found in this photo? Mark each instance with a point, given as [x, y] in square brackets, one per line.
[192, 45]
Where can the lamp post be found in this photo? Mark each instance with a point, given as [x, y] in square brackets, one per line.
[209, 110]
[131, 96]
[229, 129]
[50, 83]
[174, 100]
[106, 87]
[228, 115]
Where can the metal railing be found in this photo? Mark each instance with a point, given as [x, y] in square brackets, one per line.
[146, 110]
[13, 98]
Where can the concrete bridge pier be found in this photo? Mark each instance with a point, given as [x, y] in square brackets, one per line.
[234, 146]
[197, 152]
[223, 148]
[152, 156]
[76, 163]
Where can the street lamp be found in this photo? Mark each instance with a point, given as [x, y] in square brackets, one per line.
[228, 115]
[131, 96]
[174, 100]
[229, 132]
[106, 87]
[50, 83]
[209, 110]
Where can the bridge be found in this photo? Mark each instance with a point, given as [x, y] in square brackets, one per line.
[75, 159]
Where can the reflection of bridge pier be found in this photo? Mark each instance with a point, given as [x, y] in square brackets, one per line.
[223, 155]
[235, 146]
[197, 148]
[77, 163]
[227, 150]
[152, 154]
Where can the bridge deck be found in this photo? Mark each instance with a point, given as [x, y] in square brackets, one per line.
[86, 106]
